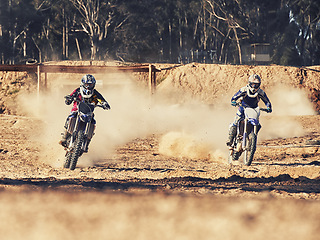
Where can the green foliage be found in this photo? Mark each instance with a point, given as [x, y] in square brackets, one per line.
[152, 30]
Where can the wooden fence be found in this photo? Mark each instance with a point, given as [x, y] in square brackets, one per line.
[42, 68]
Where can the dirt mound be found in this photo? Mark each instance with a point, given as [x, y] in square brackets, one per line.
[209, 82]
[204, 82]
[11, 85]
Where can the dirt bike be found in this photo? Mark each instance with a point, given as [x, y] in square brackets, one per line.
[245, 141]
[81, 130]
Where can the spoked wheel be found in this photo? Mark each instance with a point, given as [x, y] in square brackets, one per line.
[250, 149]
[77, 150]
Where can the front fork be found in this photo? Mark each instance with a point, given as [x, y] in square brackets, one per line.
[255, 130]
[89, 132]
[74, 126]
[72, 129]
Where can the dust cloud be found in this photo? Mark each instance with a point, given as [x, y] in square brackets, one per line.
[287, 102]
[49, 108]
[190, 129]
[208, 141]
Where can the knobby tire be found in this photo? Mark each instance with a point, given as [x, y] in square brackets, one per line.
[68, 160]
[235, 156]
[77, 150]
[251, 149]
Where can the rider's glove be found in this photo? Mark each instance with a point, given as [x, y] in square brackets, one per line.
[269, 110]
[68, 100]
[233, 103]
[105, 105]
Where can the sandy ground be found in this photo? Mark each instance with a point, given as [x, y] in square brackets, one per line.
[159, 171]
[138, 193]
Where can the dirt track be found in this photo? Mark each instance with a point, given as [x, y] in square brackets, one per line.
[141, 194]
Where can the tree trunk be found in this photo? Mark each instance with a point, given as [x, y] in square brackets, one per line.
[24, 44]
[63, 36]
[67, 39]
[204, 29]
[170, 41]
[78, 48]
[223, 46]
[238, 45]
[94, 48]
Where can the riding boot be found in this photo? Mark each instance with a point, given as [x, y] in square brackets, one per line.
[65, 136]
[87, 146]
[232, 134]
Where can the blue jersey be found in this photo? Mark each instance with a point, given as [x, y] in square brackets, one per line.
[253, 100]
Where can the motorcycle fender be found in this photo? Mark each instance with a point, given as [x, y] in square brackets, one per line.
[81, 126]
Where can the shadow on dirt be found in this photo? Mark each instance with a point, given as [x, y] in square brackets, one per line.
[280, 183]
[146, 169]
[313, 163]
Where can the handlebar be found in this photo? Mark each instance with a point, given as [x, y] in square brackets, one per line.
[74, 99]
[99, 106]
[238, 104]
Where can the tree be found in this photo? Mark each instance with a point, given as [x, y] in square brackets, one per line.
[96, 18]
[306, 15]
[151, 30]
[231, 15]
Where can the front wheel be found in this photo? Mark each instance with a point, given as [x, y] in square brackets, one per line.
[67, 159]
[77, 150]
[250, 149]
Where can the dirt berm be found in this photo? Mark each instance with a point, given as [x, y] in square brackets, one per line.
[209, 82]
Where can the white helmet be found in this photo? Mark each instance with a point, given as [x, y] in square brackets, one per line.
[254, 83]
[87, 85]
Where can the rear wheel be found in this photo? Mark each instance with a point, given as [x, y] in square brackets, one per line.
[77, 150]
[250, 149]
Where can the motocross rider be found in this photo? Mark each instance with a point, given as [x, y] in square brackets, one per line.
[86, 92]
[249, 96]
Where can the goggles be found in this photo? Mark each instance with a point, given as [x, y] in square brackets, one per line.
[88, 85]
[254, 85]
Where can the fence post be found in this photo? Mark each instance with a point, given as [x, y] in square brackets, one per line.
[152, 79]
[39, 79]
